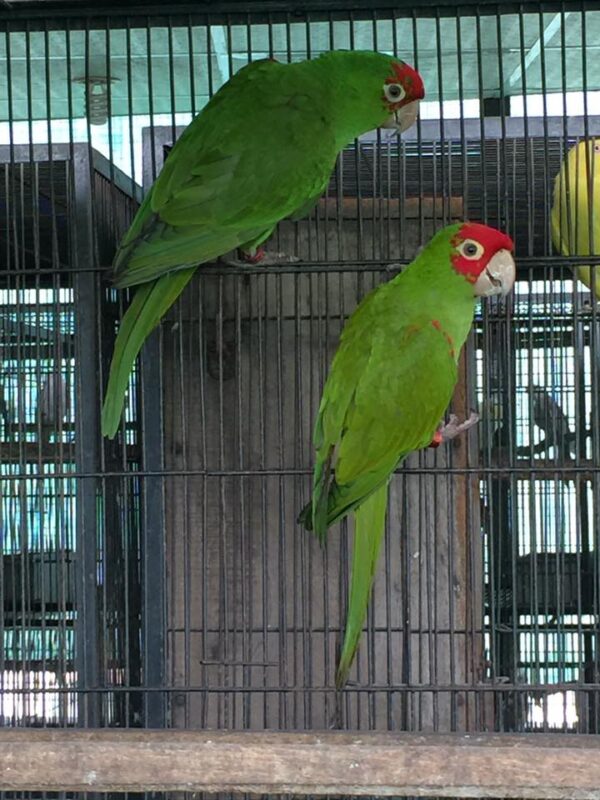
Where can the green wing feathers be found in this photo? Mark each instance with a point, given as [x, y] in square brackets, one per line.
[167, 249]
[151, 301]
[367, 418]
[369, 529]
[350, 359]
[229, 179]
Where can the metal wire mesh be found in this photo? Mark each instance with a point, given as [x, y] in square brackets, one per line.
[161, 579]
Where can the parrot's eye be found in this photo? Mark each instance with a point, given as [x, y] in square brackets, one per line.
[394, 92]
[470, 249]
[597, 147]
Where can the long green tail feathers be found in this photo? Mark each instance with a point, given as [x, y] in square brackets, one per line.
[150, 302]
[369, 530]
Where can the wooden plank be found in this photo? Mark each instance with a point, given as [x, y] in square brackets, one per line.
[253, 601]
[450, 765]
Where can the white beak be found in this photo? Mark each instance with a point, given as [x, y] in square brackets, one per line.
[402, 119]
[498, 277]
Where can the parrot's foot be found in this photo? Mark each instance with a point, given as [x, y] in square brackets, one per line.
[453, 428]
[262, 257]
[254, 256]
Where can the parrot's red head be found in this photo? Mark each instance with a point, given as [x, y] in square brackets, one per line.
[402, 90]
[403, 85]
[483, 255]
[368, 90]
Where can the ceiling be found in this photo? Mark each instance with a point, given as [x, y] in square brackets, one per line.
[157, 68]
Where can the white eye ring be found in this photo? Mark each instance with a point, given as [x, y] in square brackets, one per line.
[597, 147]
[470, 249]
[394, 92]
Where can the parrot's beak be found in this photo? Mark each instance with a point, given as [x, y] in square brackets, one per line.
[403, 118]
[498, 277]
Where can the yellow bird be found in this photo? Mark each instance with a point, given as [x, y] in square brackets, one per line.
[576, 208]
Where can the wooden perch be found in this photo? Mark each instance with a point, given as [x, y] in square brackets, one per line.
[448, 765]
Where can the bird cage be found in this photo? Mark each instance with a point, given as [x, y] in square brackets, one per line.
[159, 583]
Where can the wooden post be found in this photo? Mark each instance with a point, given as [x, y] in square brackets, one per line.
[254, 601]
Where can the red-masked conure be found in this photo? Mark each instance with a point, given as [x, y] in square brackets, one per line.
[262, 149]
[390, 383]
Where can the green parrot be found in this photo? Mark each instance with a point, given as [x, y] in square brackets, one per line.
[261, 150]
[390, 383]
[575, 214]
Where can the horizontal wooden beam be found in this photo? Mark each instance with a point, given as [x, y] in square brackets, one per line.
[453, 765]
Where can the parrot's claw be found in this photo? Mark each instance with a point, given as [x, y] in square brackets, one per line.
[453, 428]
